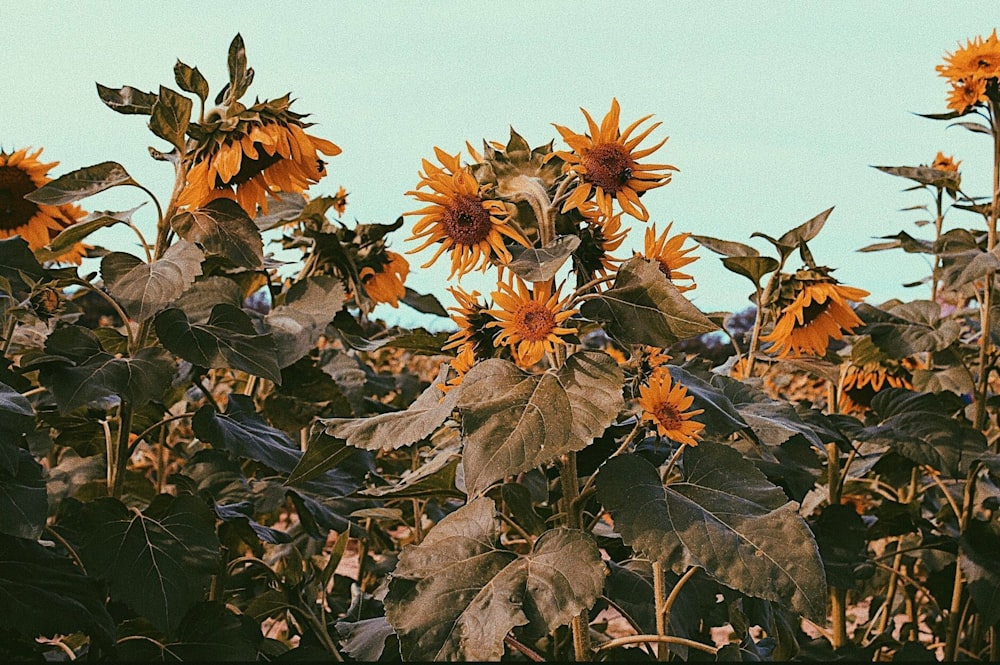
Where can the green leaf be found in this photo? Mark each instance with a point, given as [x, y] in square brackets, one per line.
[189, 79]
[241, 431]
[23, 501]
[805, 232]
[541, 265]
[434, 478]
[644, 307]
[980, 543]
[773, 422]
[18, 263]
[240, 76]
[300, 318]
[417, 340]
[81, 183]
[209, 632]
[44, 594]
[720, 416]
[127, 100]
[513, 421]
[223, 229]
[159, 562]
[909, 328]
[981, 264]
[170, 117]
[725, 517]
[364, 640]
[207, 292]
[77, 232]
[425, 303]
[725, 247]
[751, 267]
[227, 340]
[323, 453]
[904, 241]
[389, 431]
[456, 595]
[925, 175]
[143, 288]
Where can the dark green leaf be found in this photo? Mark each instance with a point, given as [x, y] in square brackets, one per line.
[158, 561]
[189, 79]
[751, 267]
[841, 537]
[418, 341]
[323, 453]
[209, 632]
[237, 66]
[424, 303]
[720, 416]
[281, 211]
[978, 559]
[77, 232]
[541, 265]
[456, 596]
[909, 328]
[18, 263]
[44, 594]
[725, 247]
[207, 292]
[513, 421]
[299, 320]
[904, 241]
[223, 229]
[127, 100]
[240, 516]
[364, 640]
[144, 289]
[23, 501]
[805, 232]
[434, 478]
[241, 431]
[644, 307]
[726, 517]
[81, 183]
[227, 340]
[170, 117]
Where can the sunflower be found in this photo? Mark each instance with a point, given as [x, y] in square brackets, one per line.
[473, 319]
[460, 217]
[945, 163]
[818, 313]
[246, 154]
[20, 174]
[461, 363]
[859, 384]
[386, 283]
[668, 253]
[530, 322]
[964, 95]
[978, 60]
[667, 406]
[340, 201]
[605, 161]
[601, 236]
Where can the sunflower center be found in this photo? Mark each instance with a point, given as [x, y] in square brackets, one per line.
[250, 167]
[609, 166]
[15, 210]
[466, 221]
[813, 310]
[667, 415]
[534, 321]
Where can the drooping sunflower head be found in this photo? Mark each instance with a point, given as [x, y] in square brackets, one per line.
[606, 163]
[20, 174]
[460, 216]
[670, 255]
[384, 283]
[246, 154]
[813, 309]
[530, 321]
[474, 324]
[666, 405]
[869, 371]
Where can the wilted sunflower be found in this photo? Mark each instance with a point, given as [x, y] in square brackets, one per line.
[530, 322]
[21, 173]
[473, 319]
[668, 253]
[667, 404]
[818, 312]
[245, 154]
[386, 283]
[460, 217]
[606, 162]
[943, 162]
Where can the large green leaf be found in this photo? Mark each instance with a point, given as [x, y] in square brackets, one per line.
[158, 561]
[23, 501]
[143, 288]
[365, 640]
[16, 417]
[222, 228]
[241, 431]
[425, 303]
[909, 328]
[773, 422]
[299, 320]
[388, 431]
[725, 517]
[725, 247]
[228, 339]
[209, 632]
[44, 594]
[644, 307]
[456, 595]
[77, 232]
[513, 421]
[18, 263]
[978, 559]
[541, 265]
[434, 478]
[81, 183]
[720, 416]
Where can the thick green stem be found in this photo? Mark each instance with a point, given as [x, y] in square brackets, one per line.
[118, 463]
[758, 322]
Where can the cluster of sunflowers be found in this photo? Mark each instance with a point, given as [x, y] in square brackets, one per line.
[973, 72]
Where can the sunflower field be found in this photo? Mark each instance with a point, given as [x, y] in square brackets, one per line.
[210, 453]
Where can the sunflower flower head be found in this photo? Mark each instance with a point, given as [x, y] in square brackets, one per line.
[461, 363]
[340, 201]
[870, 371]
[666, 404]
[246, 154]
[606, 163]
[474, 324]
[385, 284]
[20, 174]
[599, 236]
[973, 71]
[813, 309]
[670, 255]
[530, 321]
[944, 162]
[460, 217]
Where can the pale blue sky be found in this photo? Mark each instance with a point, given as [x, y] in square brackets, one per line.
[775, 109]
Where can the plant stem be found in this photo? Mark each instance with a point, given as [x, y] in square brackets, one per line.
[659, 600]
[121, 452]
[838, 596]
[938, 224]
[986, 314]
[954, 612]
[758, 321]
[653, 639]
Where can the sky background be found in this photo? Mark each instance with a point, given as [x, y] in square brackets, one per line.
[775, 110]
